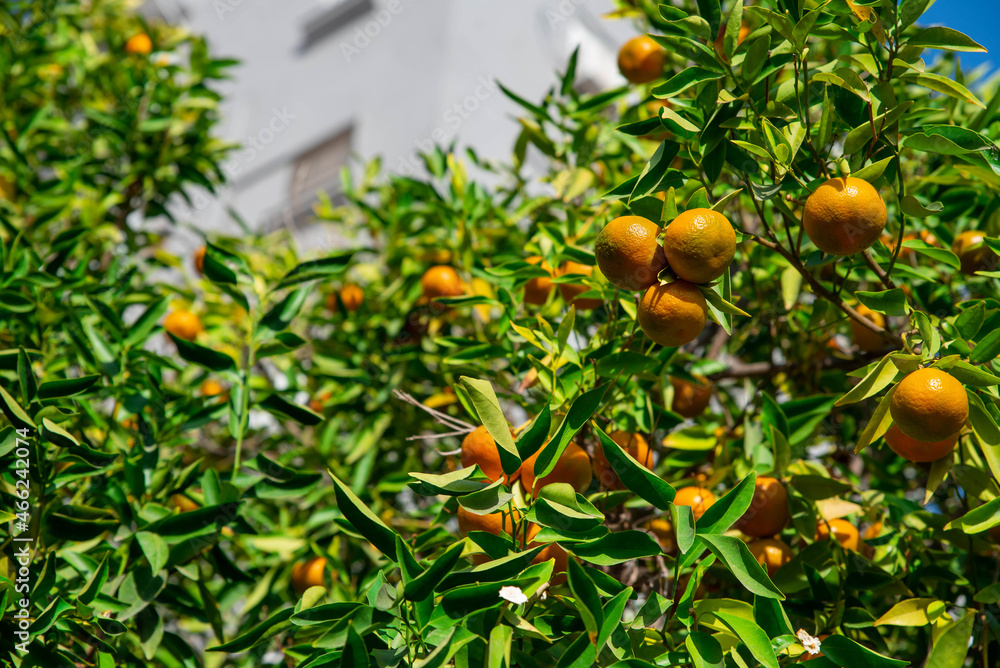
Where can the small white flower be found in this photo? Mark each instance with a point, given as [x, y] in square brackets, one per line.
[513, 594]
[809, 643]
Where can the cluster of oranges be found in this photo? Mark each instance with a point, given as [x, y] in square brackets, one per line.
[762, 524]
[538, 289]
[698, 246]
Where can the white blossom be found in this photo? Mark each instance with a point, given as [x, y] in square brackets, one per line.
[810, 643]
[513, 594]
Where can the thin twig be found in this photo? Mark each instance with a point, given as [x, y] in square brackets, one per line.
[460, 425]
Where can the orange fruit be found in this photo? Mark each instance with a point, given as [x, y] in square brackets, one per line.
[864, 338]
[139, 44]
[919, 451]
[183, 504]
[478, 447]
[211, 388]
[634, 444]
[698, 498]
[441, 281]
[844, 216]
[719, 42]
[573, 468]
[571, 291]
[973, 253]
[690, 398]
[536, 290]
[673, 314]
[317, 404]
[770, 553]
[641, 60]
[768, 511]
[929, 405]
[199, 259]
[182, 324]
[873, 531]
[628, 254]
[551, 551]
[845, 533]
[664, 532]
[307, 574]
[700, 245]
[494, 523]
[351, 295]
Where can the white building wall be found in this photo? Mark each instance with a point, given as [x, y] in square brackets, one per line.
[397, 86]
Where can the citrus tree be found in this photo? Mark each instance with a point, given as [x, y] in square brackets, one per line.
[717, 388]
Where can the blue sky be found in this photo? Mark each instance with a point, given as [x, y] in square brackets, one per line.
[979, 19]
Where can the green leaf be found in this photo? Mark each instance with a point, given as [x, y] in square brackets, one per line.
[533, 438]
[751, 635]
[682, 518]
[355, 654]
[363, 519]
[327, 267]
[202, 356]
[873, 172]
[281, 314]
[913, 612]
[484, 399]
[498, 649]
[454, 483]
[982, 422]
[913, 208]
[846, 652]
[890, 302]
[583, 409]
[711, 11]
[274, 403]
[13, 411]
[706, 652]
[55, 389]
[817, 487]
[733, 27]
[771, 617]
[636, 477]
[978, 519]
[943, 85]
[940, 37]
[987, 348]
[617, 548]
[422, 586]
[878, 425]
[588, 601]
[155, 548]
[724, 513]
[685, 79]
[734, 553]
[260, 633]
[560, 507]
[910, 11]
[973, 375]
[879, 378]
[139, 331]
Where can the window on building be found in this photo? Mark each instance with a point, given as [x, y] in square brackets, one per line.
[330, 17]
[319, 167]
